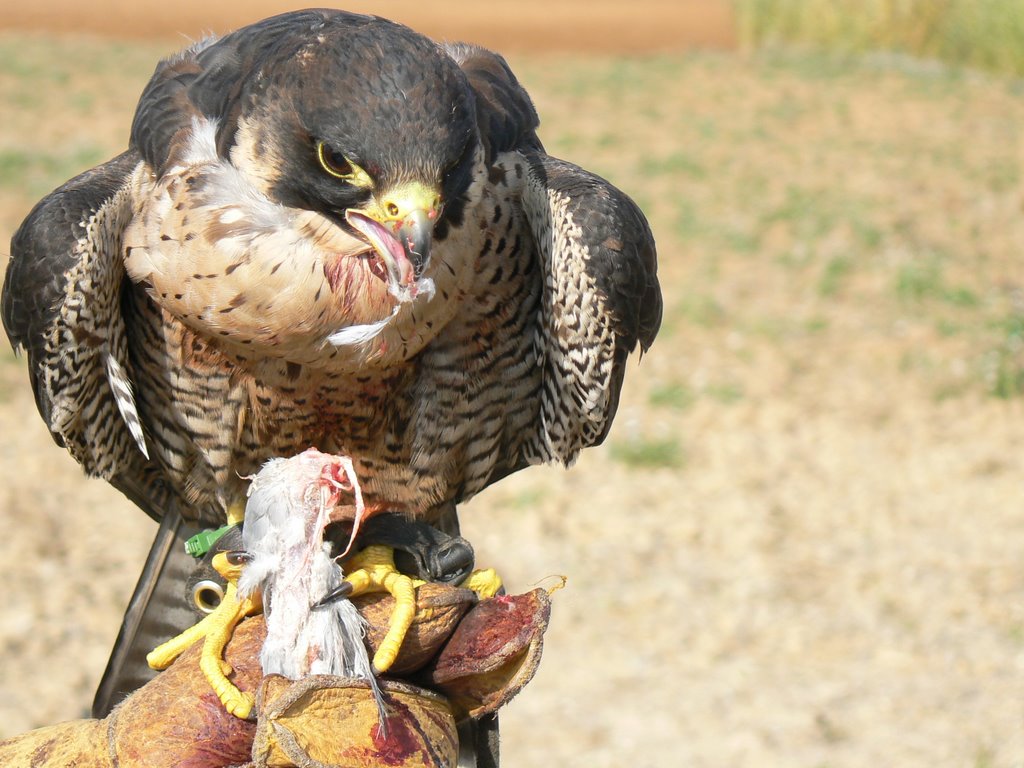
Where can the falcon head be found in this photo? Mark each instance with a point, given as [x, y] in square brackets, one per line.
[372, 126]
[315, 169]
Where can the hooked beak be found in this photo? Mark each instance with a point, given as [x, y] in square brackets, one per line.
[400, 227]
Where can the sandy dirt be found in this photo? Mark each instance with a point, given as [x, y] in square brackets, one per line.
[802, 545]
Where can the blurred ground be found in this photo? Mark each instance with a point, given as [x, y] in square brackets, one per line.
[583, 25]
[802, 544]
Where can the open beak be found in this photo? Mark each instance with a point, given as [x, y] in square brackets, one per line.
[400, 227]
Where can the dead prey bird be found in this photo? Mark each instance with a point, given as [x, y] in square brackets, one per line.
[288, 562]
[287, 568]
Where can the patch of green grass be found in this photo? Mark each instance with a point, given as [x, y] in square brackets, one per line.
[649, 453]
[566, 142]
[960, 296]
[868, 235]
[776, 328]
[674, 395]
[725, 392]
[834, 275]
[38, 173]
[1002, 177]
[1015, 633]
[816, 324]
[691, 311]
[923, 279]
[950, 389]
[916, 360]
[918, 280]
[987, 34]
[740, 239]
[947, 327]
[707, 128]
[56, 61]
[811, 65]
[692, 226]
[1003, 364]
[688, 224]
[82, 102]
[8, 357]
[829, 729]
[527, 498]
[33, 63]
[809, 214]
[700, 309]
[984, 757]
[677, 163]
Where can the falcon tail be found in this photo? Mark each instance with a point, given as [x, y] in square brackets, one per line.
[157, 610]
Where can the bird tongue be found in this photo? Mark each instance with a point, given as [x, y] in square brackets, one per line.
[400, 270]
[401, 278]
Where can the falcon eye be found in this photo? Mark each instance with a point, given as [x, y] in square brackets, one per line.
[334, 162]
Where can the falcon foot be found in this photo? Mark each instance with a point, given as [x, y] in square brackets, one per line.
[373, 569]
[420, 551]
[215, 631]
[485, 582]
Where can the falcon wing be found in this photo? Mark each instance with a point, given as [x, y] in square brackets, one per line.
[601, 298]
[62, 304]
[504, 112]
[597, 257]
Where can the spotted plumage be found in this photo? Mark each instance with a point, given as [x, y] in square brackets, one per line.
[329, 230]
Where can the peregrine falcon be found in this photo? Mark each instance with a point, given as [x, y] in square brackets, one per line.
[330, 231]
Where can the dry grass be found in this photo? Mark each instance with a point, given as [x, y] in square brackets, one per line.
[802, 544]
[988, 34]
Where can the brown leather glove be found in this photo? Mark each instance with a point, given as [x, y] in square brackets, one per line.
[474, 664]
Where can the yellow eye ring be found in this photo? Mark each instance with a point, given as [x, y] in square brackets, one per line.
[340, 167]
[334, 162]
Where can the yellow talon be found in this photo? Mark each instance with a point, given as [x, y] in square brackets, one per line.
[373, 570]
[164, 655]
[236, 512]
[215, 631]
[484, 581]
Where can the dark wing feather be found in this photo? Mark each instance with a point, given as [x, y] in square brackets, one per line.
[44, 251]
[596, 252]
[504, 112]
[617, 239]
[601, 299]
[61, 304]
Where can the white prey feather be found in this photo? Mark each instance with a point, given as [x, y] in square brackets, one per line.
[289, 507]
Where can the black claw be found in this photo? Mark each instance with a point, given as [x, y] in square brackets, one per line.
[453, 560]
[421, 550]
[340, 592]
